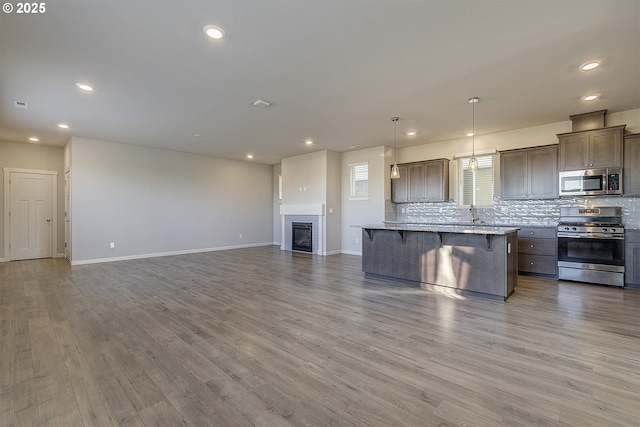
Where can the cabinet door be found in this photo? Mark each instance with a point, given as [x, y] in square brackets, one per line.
[631, 186]
[435, 181]
[632, 257]
[605, 148]
[574, 151]
[513, 175]
[417, 190]
[543, 172]
[399, 189]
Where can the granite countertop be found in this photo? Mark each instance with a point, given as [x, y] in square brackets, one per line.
[444, 228]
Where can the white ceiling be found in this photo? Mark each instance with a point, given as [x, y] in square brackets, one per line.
[334, 71]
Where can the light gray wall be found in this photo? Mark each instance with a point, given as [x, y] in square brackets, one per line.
[153, 202]
[304, 179]
[361, 212]
[334, 208]
[518, 138]
[277, 223]
[508, 212]
[37, 157]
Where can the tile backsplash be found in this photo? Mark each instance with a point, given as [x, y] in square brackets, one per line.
[544, 213]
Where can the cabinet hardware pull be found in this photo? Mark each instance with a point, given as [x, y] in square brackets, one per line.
[532, 246]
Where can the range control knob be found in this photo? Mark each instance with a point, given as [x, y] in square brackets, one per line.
[574, 228]
[604, 230]
[612, 230]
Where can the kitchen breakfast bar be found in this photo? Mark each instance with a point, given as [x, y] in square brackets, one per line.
[465, 259]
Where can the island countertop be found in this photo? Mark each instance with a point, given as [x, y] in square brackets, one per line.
[444, 228]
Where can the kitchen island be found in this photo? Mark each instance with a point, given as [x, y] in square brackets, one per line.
[468, 259]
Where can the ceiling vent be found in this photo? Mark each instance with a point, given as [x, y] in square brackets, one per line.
[261, 104]
[21, 104]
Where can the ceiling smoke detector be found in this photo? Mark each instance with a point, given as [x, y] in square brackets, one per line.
[261, 104]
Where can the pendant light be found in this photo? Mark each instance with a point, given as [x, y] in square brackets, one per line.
[473, 162]
[395, 170]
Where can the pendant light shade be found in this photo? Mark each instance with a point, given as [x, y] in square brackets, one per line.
[395, 170]
[473, 162]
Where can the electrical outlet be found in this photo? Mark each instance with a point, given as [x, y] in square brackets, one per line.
[112, 245]
[357, 240]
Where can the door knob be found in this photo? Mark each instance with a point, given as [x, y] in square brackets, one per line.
[49, 220]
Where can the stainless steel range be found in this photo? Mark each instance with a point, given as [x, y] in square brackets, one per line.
[591, 245]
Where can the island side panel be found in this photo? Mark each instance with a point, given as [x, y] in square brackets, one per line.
[512, 262]
[392, 253]
[470, 262]
[480, 263]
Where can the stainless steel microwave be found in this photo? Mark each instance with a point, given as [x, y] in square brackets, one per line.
[591, 182]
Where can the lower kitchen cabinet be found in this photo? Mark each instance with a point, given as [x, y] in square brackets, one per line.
[632, 259]
[538, 251]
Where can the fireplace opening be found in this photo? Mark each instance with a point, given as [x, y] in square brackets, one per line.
[301, 236]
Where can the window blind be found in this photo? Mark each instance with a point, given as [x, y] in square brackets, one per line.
[360, 180]
[476, 188]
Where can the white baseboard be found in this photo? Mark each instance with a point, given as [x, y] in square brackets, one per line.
[333, 252]
[351, 253]
[161, 254]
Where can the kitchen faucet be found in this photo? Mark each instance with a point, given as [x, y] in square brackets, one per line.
[474, 216]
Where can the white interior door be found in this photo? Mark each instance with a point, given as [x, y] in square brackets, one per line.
[31, 216]
[67, 215]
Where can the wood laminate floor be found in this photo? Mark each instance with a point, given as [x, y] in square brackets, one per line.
[262, 337]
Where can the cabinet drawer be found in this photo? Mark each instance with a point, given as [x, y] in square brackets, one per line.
[537, 246]
[539, 264]
[538, 233]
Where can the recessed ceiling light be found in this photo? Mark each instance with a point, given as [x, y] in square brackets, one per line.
[63, 126]
[34, 139]
[469, 133]
[589, 66]
[213, 31]
[412, 133]
[590, 97]
[308, 142]
[249, 156]
[84, 86]
[198, 135]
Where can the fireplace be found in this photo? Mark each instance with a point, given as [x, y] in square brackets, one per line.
[302, 236]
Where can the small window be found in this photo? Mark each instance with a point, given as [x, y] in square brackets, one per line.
[475, 188]
[359, 181]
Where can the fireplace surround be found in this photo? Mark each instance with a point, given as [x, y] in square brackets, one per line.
[311, 213]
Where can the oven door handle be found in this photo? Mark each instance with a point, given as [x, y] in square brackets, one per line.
[590, 236]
